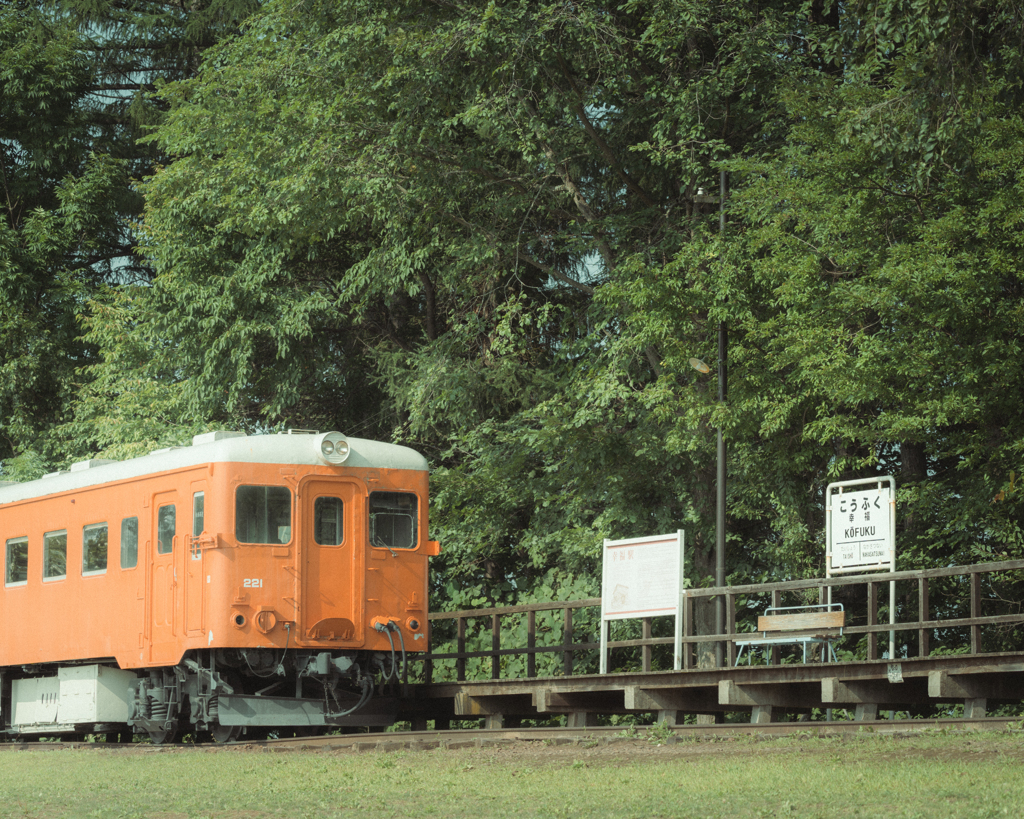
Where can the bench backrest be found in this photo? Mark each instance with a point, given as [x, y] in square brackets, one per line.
[801, 621]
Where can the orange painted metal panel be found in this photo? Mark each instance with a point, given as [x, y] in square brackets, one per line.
[209, 590]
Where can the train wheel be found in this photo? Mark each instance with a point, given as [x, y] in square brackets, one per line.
[163, 737]
[225, 733]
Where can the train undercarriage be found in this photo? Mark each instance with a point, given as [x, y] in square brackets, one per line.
[217, 694]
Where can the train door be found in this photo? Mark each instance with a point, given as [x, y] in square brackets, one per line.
[331, 602]
[194, 577]
[163, 570]
[397, 589]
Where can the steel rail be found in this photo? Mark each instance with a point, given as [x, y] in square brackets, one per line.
[464, 738]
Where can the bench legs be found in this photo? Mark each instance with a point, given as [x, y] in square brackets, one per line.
[828, 650]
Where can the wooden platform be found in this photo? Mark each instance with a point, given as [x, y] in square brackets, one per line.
[767, 693]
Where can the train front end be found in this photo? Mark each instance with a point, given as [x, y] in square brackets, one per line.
[311, 556]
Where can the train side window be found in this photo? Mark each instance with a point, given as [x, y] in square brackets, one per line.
[165, 529]
[393, 518]
[129, 543]
[328, 521]
[198, 513]
[55, 555]
[16, 573]
[263, 514]
[94, 548]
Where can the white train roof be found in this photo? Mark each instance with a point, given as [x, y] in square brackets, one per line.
[218, 447]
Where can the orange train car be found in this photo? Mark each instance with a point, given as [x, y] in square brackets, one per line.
[242, 583]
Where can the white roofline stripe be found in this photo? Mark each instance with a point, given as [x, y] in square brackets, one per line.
[282, 449]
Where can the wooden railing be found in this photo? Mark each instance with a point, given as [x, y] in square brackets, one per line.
[567, 647]
[751, 600]
[924, 625]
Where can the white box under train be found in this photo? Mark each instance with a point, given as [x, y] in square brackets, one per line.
[86, 695]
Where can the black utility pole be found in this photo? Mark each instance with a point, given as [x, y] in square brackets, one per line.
[723, 379]
[723, 345]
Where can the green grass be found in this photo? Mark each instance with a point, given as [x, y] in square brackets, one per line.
[972, 775]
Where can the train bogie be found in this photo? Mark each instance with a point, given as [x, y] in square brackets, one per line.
[242, 582]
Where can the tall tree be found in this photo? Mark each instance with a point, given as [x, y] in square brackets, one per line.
[481, 230]
[888, 293]
[74, 79]
[440, 210]
[59, 217]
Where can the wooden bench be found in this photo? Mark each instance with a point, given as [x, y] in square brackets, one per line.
[795, 625]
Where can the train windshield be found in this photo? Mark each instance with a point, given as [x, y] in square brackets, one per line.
[393, 520]
[263, 514]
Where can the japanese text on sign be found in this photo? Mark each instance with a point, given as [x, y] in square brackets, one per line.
[641, 577]
[861, 535]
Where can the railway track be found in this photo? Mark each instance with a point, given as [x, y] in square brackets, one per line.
[658, 735]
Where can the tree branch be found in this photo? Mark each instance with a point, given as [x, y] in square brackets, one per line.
[515, 185]
[526, 256]
[570, 185]
[554, 272]
[598, 140]
[430, 306]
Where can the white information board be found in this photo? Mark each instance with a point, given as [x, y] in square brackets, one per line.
[861, 530]
[642, 577]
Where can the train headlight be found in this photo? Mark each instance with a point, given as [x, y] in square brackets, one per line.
[331, 447]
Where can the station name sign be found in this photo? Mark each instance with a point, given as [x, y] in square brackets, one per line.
[860, 526]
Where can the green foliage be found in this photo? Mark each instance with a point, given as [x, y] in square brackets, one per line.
[73, 83]
[28, 466]
[57, 208]
[884, 304]
[422, 221]
[492, 232]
